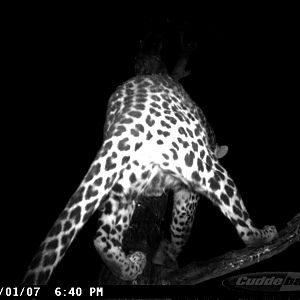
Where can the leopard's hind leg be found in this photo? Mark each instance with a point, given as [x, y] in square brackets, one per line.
[219, 187]
[184, 207]
[209, 178]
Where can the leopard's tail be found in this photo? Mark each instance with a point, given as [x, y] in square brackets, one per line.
[94, 188]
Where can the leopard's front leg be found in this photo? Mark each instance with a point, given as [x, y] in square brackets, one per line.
[113, 221]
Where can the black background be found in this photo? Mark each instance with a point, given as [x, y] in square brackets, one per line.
[61, 66]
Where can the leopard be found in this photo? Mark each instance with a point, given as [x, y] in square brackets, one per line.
[155, 139]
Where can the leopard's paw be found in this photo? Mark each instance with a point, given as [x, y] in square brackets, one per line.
[270, 233]
[261, 236]
[138, 258]
[133, 266]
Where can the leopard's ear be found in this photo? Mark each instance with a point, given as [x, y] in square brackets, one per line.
[221, 151]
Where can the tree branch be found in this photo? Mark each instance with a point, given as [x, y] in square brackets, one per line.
[197, 272]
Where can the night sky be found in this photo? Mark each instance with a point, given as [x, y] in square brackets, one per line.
[62, 68]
